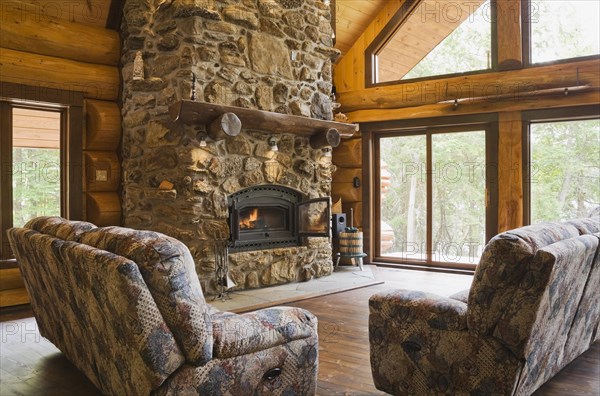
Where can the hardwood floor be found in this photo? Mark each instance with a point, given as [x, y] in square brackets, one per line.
[30, 365]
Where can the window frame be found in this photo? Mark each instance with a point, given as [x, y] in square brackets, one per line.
[70, 105]
[589, 112]
[527, 47]
[391, 28]
[375, 131]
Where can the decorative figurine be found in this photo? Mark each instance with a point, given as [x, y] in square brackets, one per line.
[138, 67]
[341, 117]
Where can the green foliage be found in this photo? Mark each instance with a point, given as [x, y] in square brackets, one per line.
[564, 29]
[36, 184]
[565, 169]
[458, 178]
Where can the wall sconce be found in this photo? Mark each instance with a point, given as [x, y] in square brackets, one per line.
[294, 55]
[326, 2]
[273, 144]
[203, 141]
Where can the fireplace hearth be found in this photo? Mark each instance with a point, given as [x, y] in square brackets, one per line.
[270, 216]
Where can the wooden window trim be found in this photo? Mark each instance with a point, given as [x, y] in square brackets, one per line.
[371, 132]
[540, 116]
[70, 104]
[394, 24]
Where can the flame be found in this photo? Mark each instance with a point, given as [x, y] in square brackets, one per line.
[249, 221]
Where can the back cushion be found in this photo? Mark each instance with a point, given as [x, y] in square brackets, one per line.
[168, 269]
[586, 225]
[95, 307]
[503, 266]
[537, 324]
[547, 297]
[58, 227]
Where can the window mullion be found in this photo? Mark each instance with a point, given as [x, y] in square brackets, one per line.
[429, 235]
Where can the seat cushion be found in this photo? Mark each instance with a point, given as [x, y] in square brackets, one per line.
[168, 269]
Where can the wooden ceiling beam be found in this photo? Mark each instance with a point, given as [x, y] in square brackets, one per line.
[517, 83]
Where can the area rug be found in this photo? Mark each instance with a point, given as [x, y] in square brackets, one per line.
[342, 279]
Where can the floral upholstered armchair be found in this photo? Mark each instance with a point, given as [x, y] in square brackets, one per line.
[532, 308]
[126, 308]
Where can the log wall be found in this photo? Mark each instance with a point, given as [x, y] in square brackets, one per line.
[52, 45]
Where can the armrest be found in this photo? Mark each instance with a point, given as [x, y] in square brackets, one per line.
[236, 335]
[405, 307]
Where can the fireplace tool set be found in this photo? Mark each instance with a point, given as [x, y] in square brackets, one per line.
[224, 281]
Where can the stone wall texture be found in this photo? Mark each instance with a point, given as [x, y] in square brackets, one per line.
[272, 55]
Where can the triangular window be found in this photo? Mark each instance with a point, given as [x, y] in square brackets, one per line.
[437, 38]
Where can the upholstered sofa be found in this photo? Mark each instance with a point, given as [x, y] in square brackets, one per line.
[126, 308]
[533, 307]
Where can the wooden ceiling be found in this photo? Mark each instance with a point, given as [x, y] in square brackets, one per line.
[352, 18]
[426, 27]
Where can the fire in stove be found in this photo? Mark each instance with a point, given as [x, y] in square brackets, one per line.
[248, 222]
[256, 218]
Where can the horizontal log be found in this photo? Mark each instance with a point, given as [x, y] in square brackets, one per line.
[11, 279]
[224, 126]
[347, 175]
[348, 154]
[347, 191]
[11, 297]
[42, 71]
[328, 138]
[476, 107]
[103, 208]
[103, 125]
[87, 12]
[191, 112]
[515, 83]
[22, 27]
[102, 171]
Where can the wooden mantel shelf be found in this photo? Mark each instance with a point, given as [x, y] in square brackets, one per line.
[192, 112]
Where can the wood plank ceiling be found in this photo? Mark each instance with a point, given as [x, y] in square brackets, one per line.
[352, 18]
[426, 27]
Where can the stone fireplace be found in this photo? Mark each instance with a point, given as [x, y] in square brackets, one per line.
[270, 55]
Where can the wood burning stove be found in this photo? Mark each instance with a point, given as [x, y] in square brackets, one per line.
[269, 216]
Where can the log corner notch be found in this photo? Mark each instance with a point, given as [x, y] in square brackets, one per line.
[225, 121]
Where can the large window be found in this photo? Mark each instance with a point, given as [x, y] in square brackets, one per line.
[564, 166]
[433, 206]
[36, 164]
[432, 38]
[40, 154]
[561, 29]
